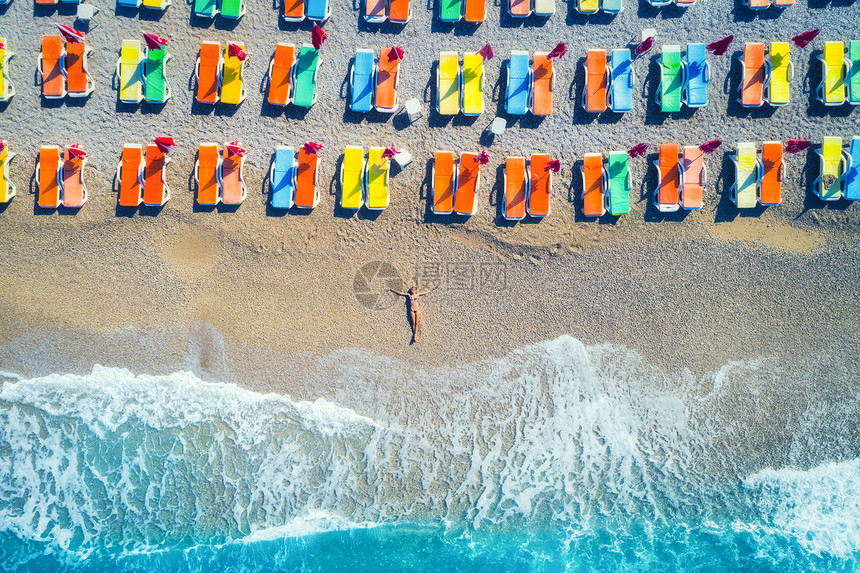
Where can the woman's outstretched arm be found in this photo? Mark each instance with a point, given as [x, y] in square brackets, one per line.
[428, 291]
[398, 292]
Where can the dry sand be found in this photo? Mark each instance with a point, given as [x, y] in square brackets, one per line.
[237, 293]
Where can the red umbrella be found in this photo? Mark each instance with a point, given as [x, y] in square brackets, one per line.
[483, 158]
[2, 145]
[77, 151]
[796, 145]
[711, 146]
[233, 148]
[638, 150]
[154, 42]
[389, 152]
[553, 165]
[71, 35]
[720, 46]
[312, 147]
[164, 143]
[2, 45]
[487, 52]
[236, 51]
[395, 54]
[644, 46]
[318, 36]
[803, 40]
[557, 52]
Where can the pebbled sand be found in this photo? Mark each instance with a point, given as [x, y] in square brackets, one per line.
[240, 293]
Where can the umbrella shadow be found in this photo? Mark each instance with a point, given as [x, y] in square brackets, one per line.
[654, 114]
[497, 199]
[574, 94]
[726, 210]
[152, 108]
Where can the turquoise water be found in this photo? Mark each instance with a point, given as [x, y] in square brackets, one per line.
[554, 458]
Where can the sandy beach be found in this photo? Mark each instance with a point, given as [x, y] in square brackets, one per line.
[247, 294]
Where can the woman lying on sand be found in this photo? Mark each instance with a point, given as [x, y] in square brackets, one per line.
[413, 309]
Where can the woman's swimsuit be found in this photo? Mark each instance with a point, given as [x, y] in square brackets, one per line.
[412, 299]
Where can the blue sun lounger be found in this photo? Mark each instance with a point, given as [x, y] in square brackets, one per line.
[698, 76]
[852, 180]
[519, 84]
[318, 10]
[362, 80]
[282, 177]
[621, 88]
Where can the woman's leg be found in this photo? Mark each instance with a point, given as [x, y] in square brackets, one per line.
[416, 316]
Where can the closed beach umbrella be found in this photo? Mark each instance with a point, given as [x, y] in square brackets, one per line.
[487, 52]
[236, 51]
[638, 150]
[154, 42]
[318, 36]
[311, 147]
[2, 145]
[719, 47]
[389, 152]
[77, 151]
[553, 165]
[644, 46]
[483, 158]
[71, 35]
[233, 148]
[797, 145]
[164, 143]
[559, 51]
[803, 40]
[395, 53]
[711, 146]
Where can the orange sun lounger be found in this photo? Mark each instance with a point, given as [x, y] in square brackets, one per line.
[51, 67]
[666, 195]
[374, 11]
[770, 187]
[543, 84]
[516, 188]
[74, 188]
[280, 74]
[444, 182]
[594, 96]
[78, 81]
[129, 173]
[387, 78]
[399, 11]
[540, 187]
[294, 10]
[233, 190]
[593, 185]
[206, 174]
[752, 84]
[48, 177]
[468, 184]
[208, 72]
[155, 189]
[694, 177]
[307, 191]
[475, 11]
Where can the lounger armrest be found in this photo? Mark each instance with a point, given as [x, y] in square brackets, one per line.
[83, 184]
[759, 170]
[63, 64]
[118, 169]
[790, 70]
[272, 172]
[846, 157]
[197, 170]
[39, 68]
[115, 81]
[631, 82]
[38, 171]
[242, 179]
[197, 71]
[781, 175]
[704, 174]
[585, 87]
[733, 190]
[271, 67]
[707, 69]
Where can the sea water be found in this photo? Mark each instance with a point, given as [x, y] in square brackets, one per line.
[554, 458]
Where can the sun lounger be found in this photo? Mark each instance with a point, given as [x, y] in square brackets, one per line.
[852, 178]
[543, 85]
[282, 177]
[208, 72]
[671, 79]
[779, 73]
[399, 11]
[307, 190]
[743, 192]
[619, 183]
[519, 84]
[47, 2]
[684, 3]
[540, 185]
[473, 84]
[352, 178]
[156, 4]
[387, 78]
[7, 89]
[48, 177]
[205, 8]
[623, 79]
[73, 186]
[758, 4]
[752, 83]
[233, 78]
[318, 10]
[773, 172]
[7, 187]
[129, 172]
[475, 11]
[374, 11]
[280, 73]
[294, 10]
[232, 9]
[593, 185]
[155, 189]
[450, 10]
[156, 88]
[51, 67]
[669, 179]
[305, 78]
[376, 179]
[233, 190]
[694, 177]
[444, 177]
[516, 189]
[612, 6]
[361, 81]
[448, 84]
[129, 3]
[698, 72]
[587, 6]
[831, 90]
[783, 3]
[468, 184]
[596, 78]
[128, 72]
[854, 72]
[519, 8]
[78, 80]
[544, 8]
[835, 163]
[206, 174]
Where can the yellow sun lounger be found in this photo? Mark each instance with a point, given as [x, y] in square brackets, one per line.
[473, 84]
[7, 187]
[7, 90]
[352, 178]
[831, 90]
[779, 71]
[448, 84]
[744, 191]
[128, 72]
[835, 163]
[232, 79]
[376, 179]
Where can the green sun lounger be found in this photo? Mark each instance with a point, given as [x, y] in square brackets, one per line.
[156, 89]
[206, 8]
[233, 9]
[619, 183]
[450, 10]
[854, 72]
[671, 79]
[305, 81]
